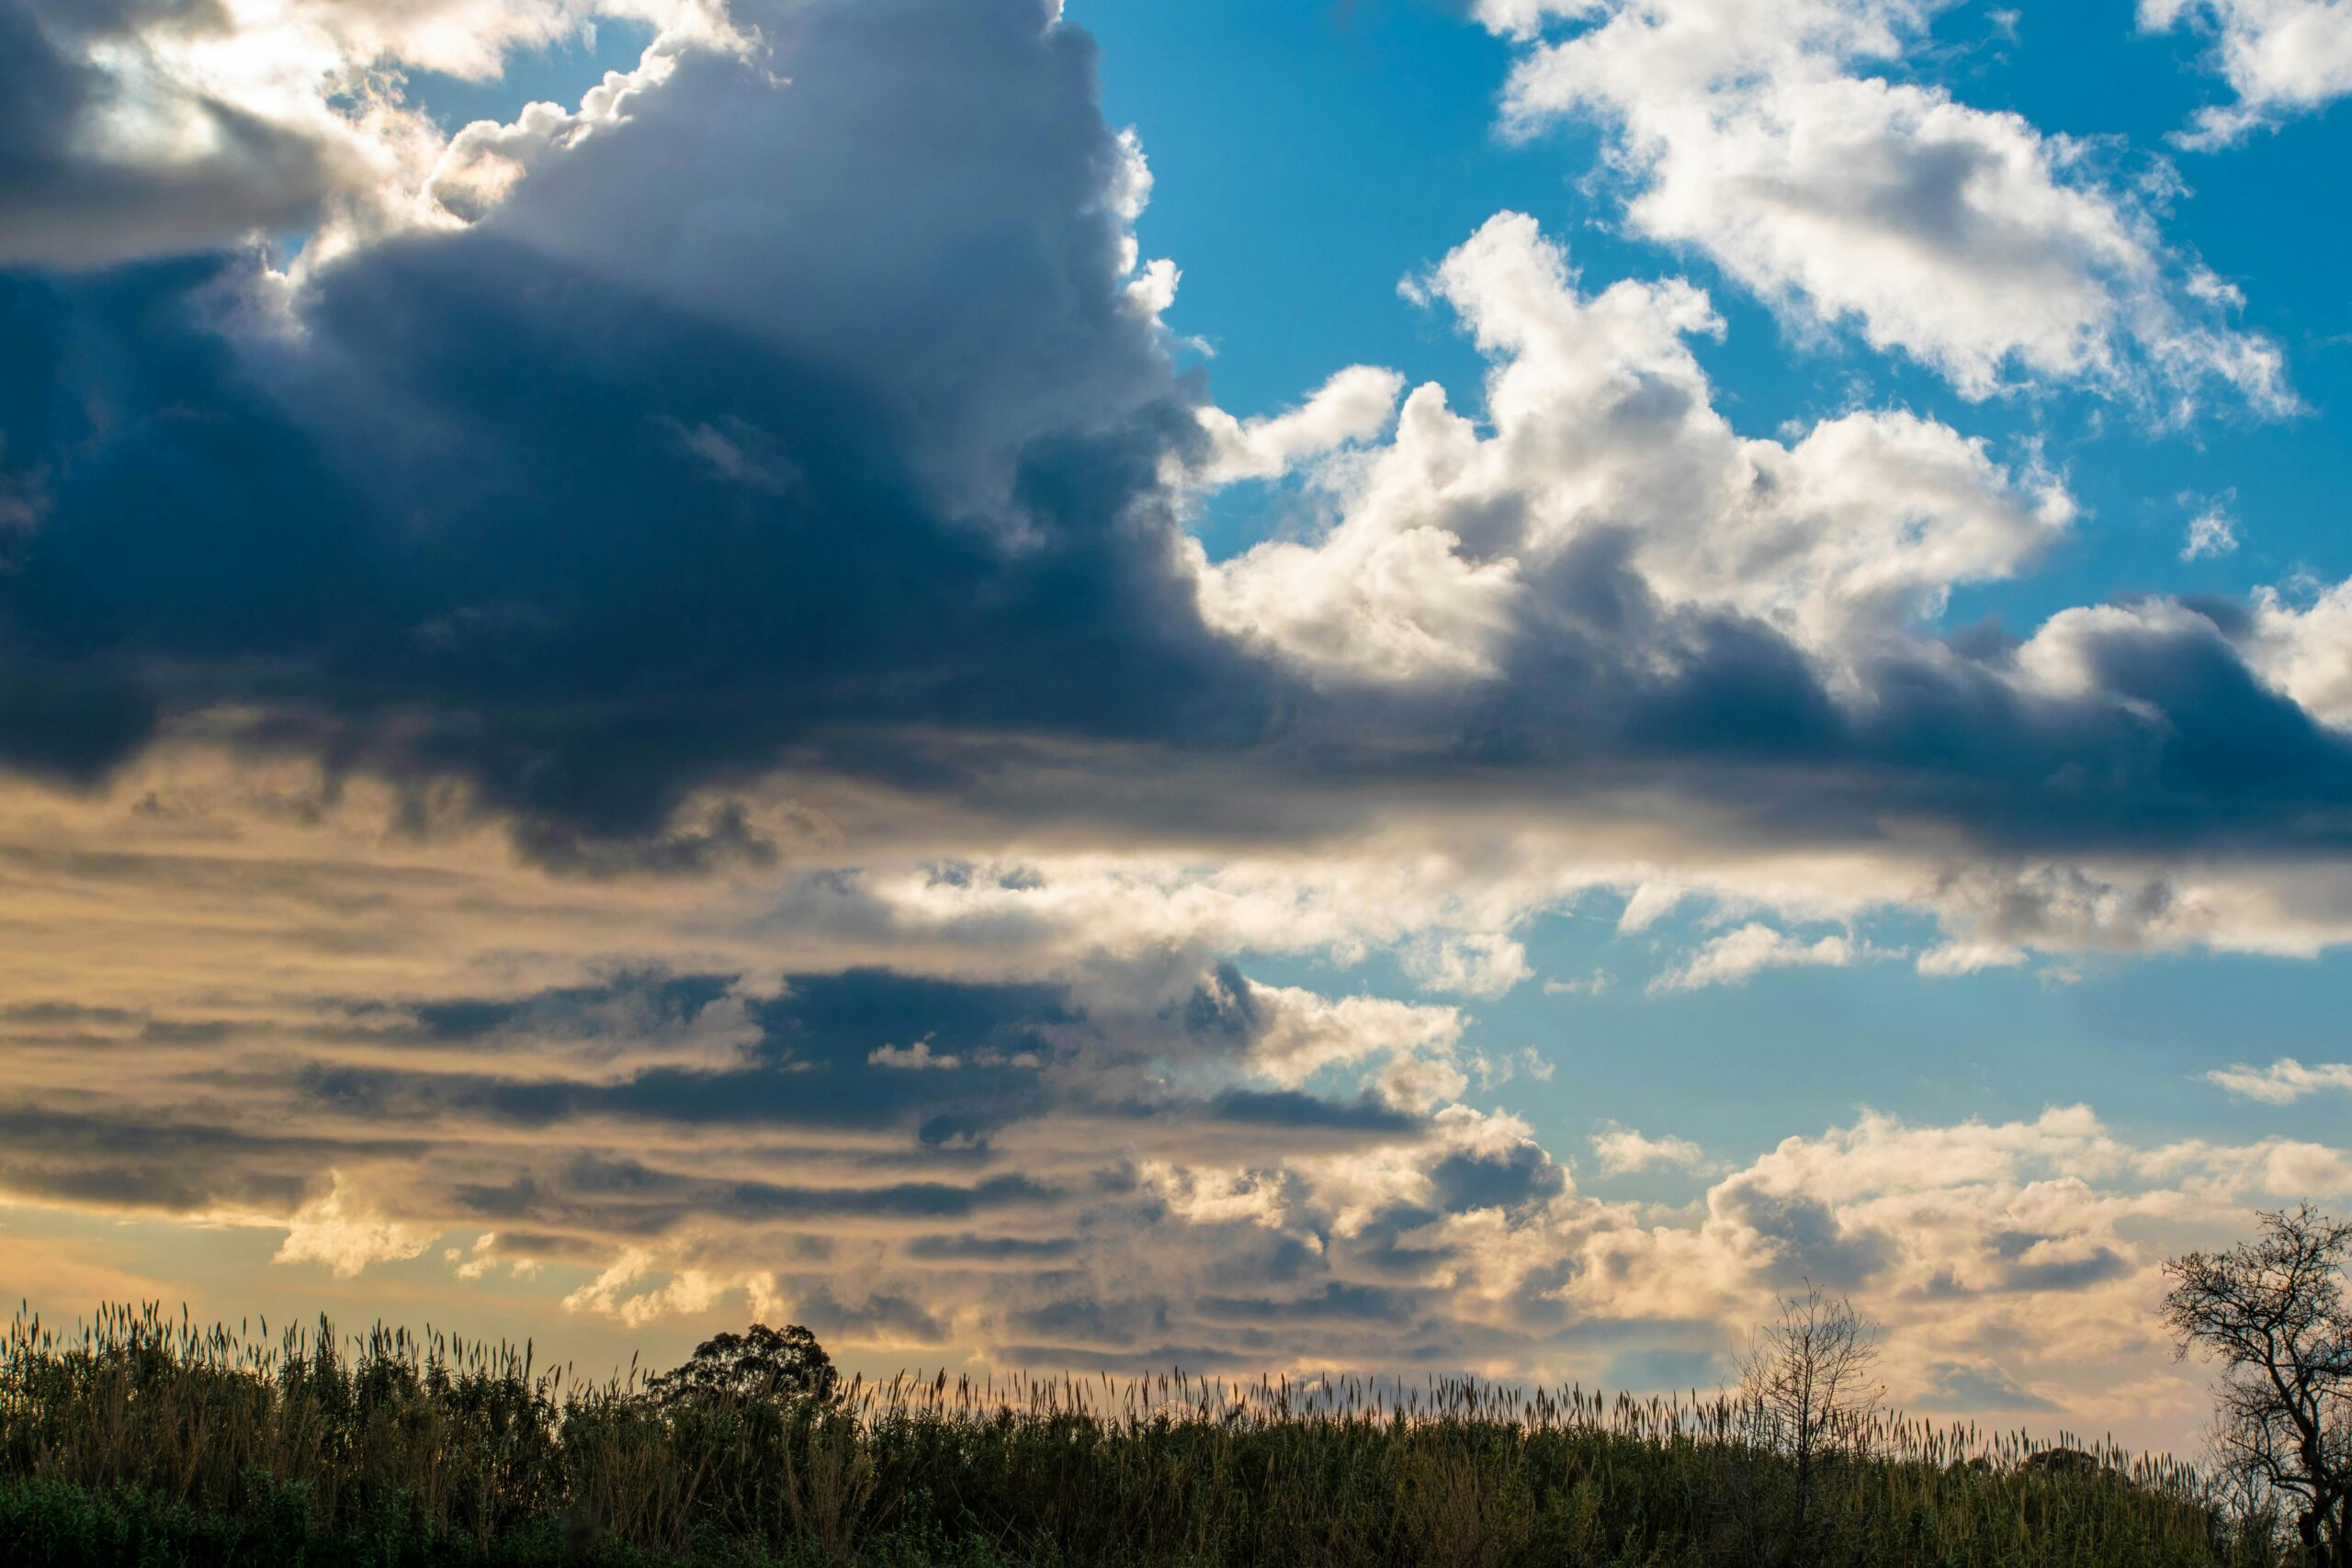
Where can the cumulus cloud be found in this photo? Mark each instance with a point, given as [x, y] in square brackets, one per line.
[1965, 239]
[2283, 1082]
[2282, 58]
[482, 165]
[1606, 446]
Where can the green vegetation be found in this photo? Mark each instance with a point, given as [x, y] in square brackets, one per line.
[143, 1441]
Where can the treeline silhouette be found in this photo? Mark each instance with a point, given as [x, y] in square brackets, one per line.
[141, 1438]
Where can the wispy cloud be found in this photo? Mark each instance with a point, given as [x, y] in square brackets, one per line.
[1738, 956]
[2284, 1081]
[2213, 533]
[1592, 985]
[1621, 1151]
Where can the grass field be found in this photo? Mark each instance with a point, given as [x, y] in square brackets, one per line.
[141, 1439]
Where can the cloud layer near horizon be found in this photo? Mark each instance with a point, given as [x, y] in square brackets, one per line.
[676, 629]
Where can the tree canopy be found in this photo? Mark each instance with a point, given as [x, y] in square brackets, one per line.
[760, 1365]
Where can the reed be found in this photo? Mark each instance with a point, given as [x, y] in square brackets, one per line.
[142, 1438]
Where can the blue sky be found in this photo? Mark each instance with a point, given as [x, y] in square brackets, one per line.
[655, 677]
[1310, 157]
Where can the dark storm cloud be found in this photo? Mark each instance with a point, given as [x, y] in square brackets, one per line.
[655, 998]
[179, 1161]
[1290, 1108]
[593, 505]
[841, 1019]
[2169, 742]
[966, 1249]
[562, 603]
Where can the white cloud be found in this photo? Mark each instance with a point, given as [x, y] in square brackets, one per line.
[2283, 1082]
[1300, 1034]
[2306, 653]
[1622, 1151]
[687, 1291]
[485, 160]
[1355, 405]
[345, 1232]
[2213, 533]
[2280, 57]
[1603, 424]
[1476, 963]
[916, 1058]
[1737, 956]
[1965, 239]
[1969, 958]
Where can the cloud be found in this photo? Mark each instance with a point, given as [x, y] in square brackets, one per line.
[2282, 58]
[2283, 1082]
[646, 663]
[916, 1058]
[1591, 986]
[833, 423]
[1151, 1183]
[781, 520]
[1607, 453]
[2304, 653]
[1622, 1151]
[1291, 1036]
[139, 128]
[1961, 1386]
[1475, 965]
[340, 1232]
[1964, 239]
[1353, 406]
[2213, 533]
[1735, 957]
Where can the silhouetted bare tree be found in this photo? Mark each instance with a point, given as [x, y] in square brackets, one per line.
[1809, 1384]
[2273, 1311]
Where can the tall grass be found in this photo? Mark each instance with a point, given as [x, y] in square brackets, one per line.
[141, 1437]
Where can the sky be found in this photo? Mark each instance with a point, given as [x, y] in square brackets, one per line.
[1411, 685]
